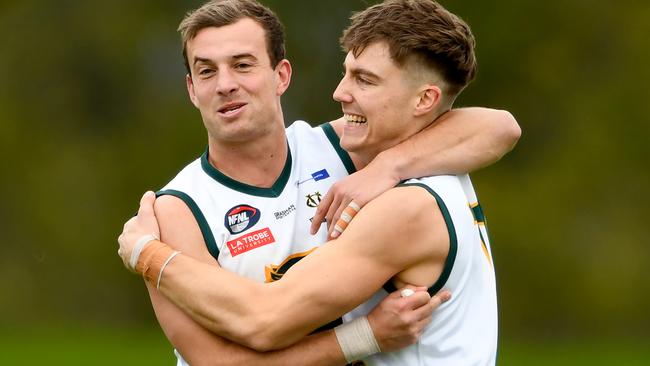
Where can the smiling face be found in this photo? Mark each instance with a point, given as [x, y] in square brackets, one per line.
[381, 104]
[233, 84]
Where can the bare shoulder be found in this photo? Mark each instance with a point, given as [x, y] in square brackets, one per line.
[401, 226]
[179, 228]
[168, 205]
[405, 203]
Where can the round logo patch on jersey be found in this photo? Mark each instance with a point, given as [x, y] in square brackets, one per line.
[241, 218]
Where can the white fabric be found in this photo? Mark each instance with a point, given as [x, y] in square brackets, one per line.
[463, 330]
[287, 217]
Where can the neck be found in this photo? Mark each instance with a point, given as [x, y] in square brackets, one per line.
[257, 163]
[361, 160]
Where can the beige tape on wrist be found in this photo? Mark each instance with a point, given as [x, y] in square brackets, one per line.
[356, 339]
[137, 249]
[154, 257]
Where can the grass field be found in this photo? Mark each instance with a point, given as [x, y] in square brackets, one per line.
[148, 347]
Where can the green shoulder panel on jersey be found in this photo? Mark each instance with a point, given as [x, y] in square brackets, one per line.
[453, 241]
[336, 143]
[198, 216]
[273, 192]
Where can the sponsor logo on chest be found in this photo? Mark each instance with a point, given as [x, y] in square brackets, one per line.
[313, 199]
[284, 213]
[315, 176]
[241, 218]
[250, 241]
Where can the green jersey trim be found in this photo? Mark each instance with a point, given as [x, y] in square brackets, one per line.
[273, 192]
[200, 219]
[453, 242]
[477, 211]
[336, 143]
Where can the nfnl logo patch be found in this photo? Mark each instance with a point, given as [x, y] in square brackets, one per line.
[250, 241]
[241, 218]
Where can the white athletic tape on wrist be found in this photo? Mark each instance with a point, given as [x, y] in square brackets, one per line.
[175, 253]
[356, 339]
[137, 249]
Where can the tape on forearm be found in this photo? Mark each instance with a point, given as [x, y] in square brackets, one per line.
[153, 258]
[356, 339]
[137, 250]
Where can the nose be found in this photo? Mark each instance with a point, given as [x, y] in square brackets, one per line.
[341, 93]
[226, 83]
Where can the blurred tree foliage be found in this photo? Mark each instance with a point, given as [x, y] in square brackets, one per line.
[93, 111]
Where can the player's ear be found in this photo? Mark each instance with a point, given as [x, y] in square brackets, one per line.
[428, 99]
[283, 72]
[190, 90]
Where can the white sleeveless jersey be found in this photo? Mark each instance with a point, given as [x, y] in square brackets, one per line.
[260, 232]
[463, 330]
[256, 232]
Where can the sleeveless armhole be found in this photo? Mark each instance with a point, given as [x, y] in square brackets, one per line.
[453, 242]
[336, 143]
[208, 237]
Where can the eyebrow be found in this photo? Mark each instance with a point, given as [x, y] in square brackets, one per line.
[201, 59]
[363, 72]
[244, 55]
[198, 59]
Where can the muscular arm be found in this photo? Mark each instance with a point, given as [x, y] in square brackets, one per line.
[393, 322]
[460, 141]
[329, 282]
[201, 347]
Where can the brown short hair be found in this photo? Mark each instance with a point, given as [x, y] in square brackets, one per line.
[417, 28]
[219, 13]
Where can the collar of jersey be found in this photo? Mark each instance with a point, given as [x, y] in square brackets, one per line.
[274, 191]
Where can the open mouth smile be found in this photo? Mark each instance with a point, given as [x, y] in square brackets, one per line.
[355, 119]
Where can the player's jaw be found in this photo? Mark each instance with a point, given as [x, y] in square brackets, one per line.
[356, 130]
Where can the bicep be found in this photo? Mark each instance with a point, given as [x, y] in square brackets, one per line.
[345, 272]
[180, 230]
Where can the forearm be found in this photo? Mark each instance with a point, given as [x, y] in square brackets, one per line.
[201, 347]
[259, 316]
[226, 304]
[460, 141]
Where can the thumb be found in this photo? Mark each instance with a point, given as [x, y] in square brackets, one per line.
[146, 205]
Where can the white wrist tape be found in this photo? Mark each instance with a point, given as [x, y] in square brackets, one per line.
[356, 339]
[175, 253]
[137, 250]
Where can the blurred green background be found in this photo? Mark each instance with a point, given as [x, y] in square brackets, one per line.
[93, 112]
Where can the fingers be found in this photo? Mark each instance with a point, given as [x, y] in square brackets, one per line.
[425, 310]
[321, 211]
[417, 300]
[146, 204]
[334, 206]
[440, 298]
[346, 216]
